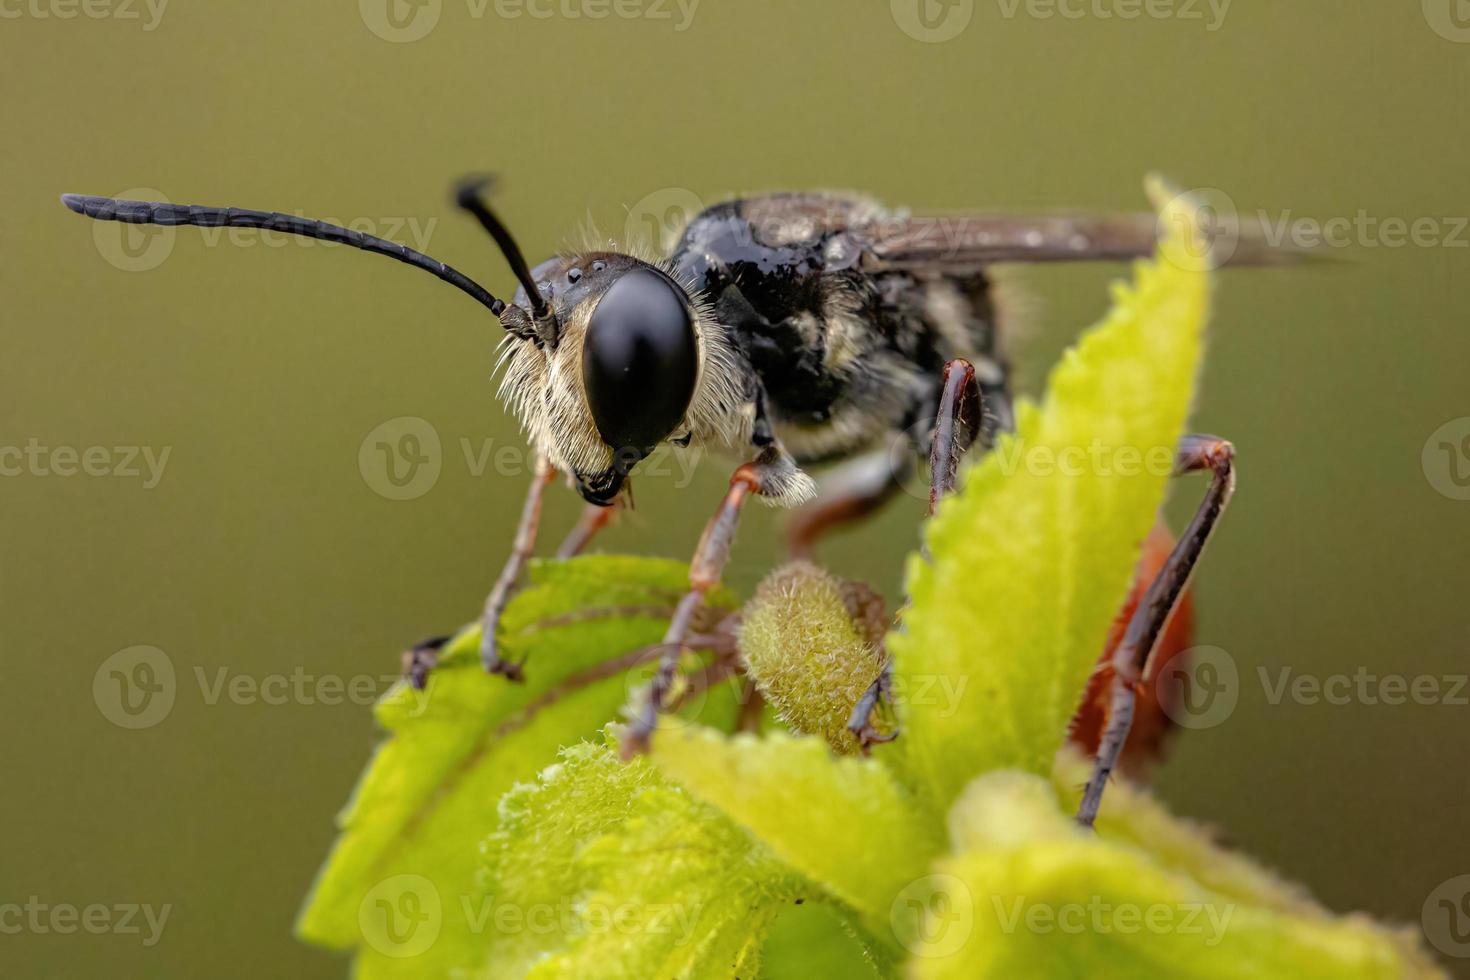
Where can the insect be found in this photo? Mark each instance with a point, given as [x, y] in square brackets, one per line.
[789, 330]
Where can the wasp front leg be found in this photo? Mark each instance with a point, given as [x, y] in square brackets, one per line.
[422, 658]
[773, 474]
[1130, 660]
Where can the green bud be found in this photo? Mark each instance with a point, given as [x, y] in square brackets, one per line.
[812, 643]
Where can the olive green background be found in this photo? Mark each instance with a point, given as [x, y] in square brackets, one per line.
[264, 548]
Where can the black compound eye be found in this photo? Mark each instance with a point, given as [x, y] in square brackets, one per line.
[639, 360]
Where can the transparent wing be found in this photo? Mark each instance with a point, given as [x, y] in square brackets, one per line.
[958, 242]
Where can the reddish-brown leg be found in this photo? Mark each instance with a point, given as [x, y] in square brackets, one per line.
[709, 562]
[1131, 658]
[1152, 721]
[956, 427]
[510, 575]
[592, 521]
[421, 659]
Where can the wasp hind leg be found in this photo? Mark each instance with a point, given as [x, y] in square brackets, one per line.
[852, 493]
[1131, 658]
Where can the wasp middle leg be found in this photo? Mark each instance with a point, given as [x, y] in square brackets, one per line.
[956, 427]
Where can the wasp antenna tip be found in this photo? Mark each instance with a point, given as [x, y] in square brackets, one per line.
[467, 191]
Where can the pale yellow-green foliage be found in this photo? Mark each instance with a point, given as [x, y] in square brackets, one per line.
[1032, 893]
[1028, 564]
[769, 786]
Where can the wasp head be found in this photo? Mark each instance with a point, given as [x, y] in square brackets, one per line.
[635, 359]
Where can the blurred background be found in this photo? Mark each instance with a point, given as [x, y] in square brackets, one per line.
[189, 421]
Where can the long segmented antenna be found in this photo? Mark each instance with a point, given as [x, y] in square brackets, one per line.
[467, 196]
[156, 213]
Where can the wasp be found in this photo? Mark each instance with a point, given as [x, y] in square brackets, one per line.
[788, 330]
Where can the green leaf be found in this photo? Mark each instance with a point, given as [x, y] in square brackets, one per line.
[635, 878]
[1028, 893]
[428, 796]
[845, 823]
[816, 940]
[1031, 560]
